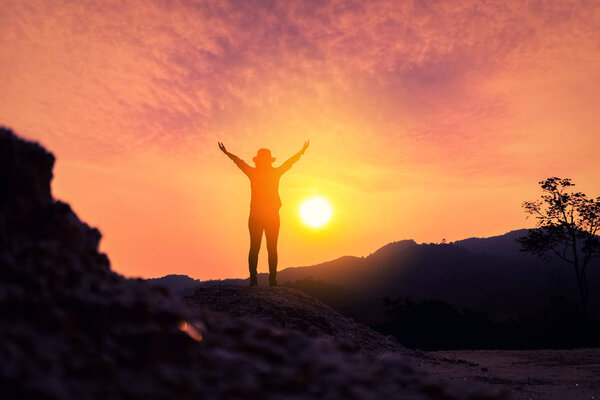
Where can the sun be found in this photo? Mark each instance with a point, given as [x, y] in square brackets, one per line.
[315, 212]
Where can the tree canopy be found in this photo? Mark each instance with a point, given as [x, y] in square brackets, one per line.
[567, 227]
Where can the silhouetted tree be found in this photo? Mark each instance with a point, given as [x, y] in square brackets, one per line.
[567, 224]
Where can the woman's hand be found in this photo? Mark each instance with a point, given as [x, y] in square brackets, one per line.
[222, 147]
[305, 147]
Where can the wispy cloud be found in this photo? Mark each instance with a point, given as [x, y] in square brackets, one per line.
[156, 71]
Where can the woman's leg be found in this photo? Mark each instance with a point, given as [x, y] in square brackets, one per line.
[272, 233]
[256, 229]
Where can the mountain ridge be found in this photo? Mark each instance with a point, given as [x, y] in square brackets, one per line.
[485, 274]
[469, 243]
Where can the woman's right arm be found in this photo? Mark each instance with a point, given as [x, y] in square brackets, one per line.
[238, 161]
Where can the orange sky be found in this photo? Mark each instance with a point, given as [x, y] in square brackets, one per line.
[427, 120]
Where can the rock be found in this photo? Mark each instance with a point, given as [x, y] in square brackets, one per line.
[290, 309]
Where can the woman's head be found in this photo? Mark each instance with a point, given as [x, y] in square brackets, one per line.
[263, 158]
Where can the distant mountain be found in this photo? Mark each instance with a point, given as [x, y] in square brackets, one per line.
[487, 274]
[502, 245]
[483, 292]
[177, 284]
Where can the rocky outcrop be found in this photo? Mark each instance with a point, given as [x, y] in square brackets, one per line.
[72, 328]
[290, 309]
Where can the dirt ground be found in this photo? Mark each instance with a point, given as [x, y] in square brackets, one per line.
[526, 375]
[523, 375]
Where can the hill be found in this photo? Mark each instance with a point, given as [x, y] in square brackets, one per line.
[290, 309]
[483, 274]
[177, 284]
[502, 245]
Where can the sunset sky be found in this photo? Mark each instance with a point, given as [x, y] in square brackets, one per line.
[427, 119]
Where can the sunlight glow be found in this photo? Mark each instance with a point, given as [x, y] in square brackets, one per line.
[315, 212]
[193, 330]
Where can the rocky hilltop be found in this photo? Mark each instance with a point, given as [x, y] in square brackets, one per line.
[70, 327]
[290, 309]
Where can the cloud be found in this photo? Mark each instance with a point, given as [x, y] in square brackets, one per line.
[164, 73]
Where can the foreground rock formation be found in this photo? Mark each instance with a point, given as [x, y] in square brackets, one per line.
[72, 328]
[290, 309]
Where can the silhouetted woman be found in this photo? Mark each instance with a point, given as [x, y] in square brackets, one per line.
[264, 205]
